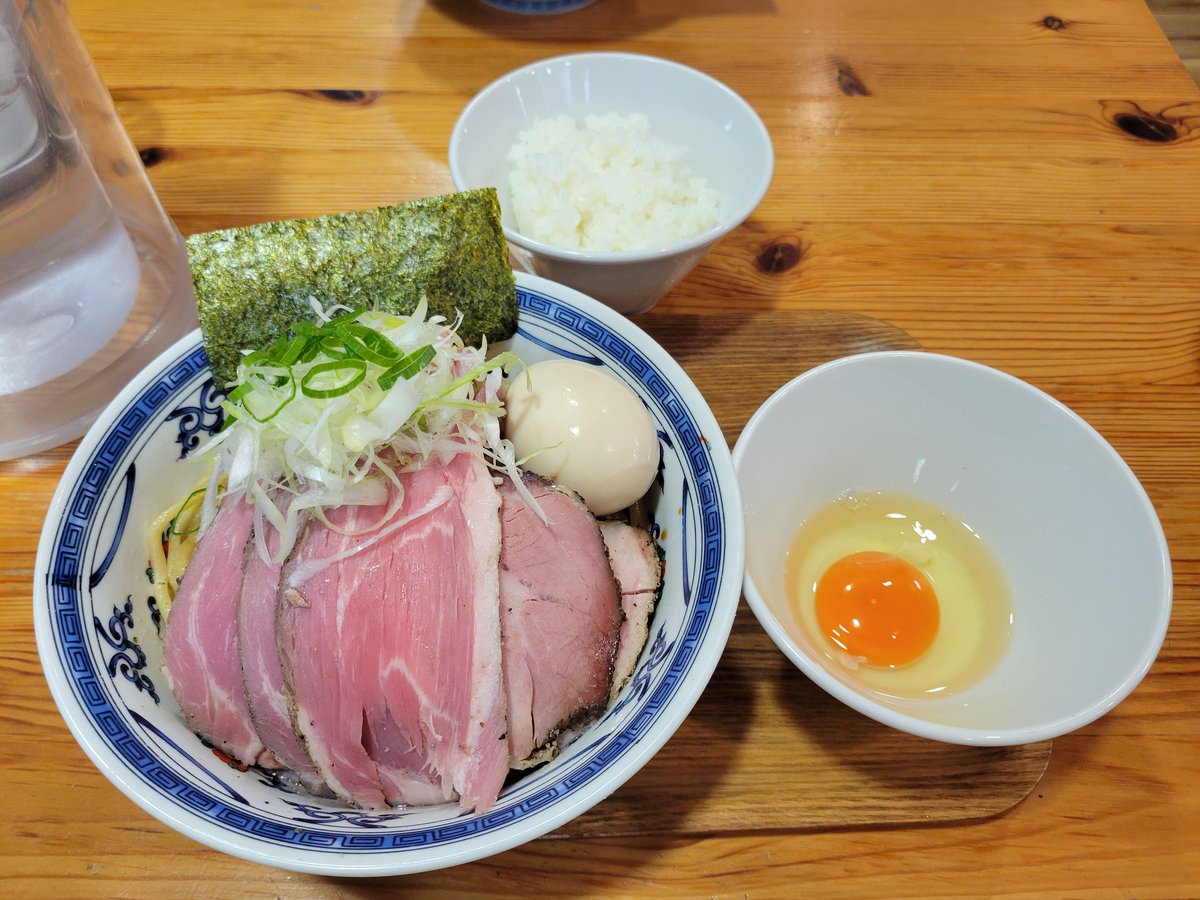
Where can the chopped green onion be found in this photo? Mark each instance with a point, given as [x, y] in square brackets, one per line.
[262, 418]
[334, 347]
[349, 315]
[254, 357]
[407, 367]
[292, 352]
[172, 529]
[367, 343]
[356, 367]
[240, 391]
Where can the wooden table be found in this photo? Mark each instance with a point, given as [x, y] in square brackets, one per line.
[1018, 183]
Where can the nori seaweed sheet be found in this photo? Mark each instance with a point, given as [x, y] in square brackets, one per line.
[253, 283]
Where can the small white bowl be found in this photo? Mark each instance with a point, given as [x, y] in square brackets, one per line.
[726, 143]
[1071, 527]
[98, 632]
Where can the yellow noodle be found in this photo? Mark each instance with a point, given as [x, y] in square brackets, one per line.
[156, 560]
[170, 542]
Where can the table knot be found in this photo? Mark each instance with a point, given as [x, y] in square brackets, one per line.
[779, 256]
[152, 156]
[848, 80]
[351, 97]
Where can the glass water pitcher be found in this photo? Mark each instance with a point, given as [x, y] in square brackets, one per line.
[94, 278]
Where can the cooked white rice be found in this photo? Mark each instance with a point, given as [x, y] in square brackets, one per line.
[607, 184]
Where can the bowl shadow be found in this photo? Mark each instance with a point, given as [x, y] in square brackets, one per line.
[723, 352]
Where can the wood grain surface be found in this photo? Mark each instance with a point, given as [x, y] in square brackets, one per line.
[803, 761]
[1017, 183]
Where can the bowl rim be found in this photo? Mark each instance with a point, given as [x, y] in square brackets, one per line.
[400, 860]
[911, 724]
[698, 241]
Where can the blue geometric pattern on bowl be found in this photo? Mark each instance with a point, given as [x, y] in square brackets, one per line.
[107, 669]
[538, 7]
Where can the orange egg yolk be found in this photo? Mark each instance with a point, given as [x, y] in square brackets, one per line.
[877, 608]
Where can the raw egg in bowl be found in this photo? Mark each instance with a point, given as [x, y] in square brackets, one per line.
[949, 550]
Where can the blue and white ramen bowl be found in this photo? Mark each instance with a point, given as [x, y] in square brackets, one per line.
[98, 630]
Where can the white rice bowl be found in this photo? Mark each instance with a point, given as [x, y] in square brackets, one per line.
[98, 638]
[724, 141]
[606, 183]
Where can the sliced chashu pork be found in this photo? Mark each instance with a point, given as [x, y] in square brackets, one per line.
[638, 570]
[443, 597]
[560, 614]
[329, 664]
[373, 724]
[262, 674]
[391, 655]
[200, 648]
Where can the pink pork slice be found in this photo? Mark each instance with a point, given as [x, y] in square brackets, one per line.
[331, 646]
[200, 647]
[638, 571]
[442, 595]
[560, 612]
[262, 674]
[392, 654]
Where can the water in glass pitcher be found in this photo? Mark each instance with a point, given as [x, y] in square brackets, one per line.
[94, 281]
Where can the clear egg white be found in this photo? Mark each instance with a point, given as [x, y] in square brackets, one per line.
[973, 596]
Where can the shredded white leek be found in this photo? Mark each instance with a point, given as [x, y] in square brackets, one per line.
[329, 416]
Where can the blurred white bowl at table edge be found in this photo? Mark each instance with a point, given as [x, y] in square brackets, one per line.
[1073, 529]
[726, 143]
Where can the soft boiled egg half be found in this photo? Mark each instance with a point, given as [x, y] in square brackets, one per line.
[581, 426]
[903, 597]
